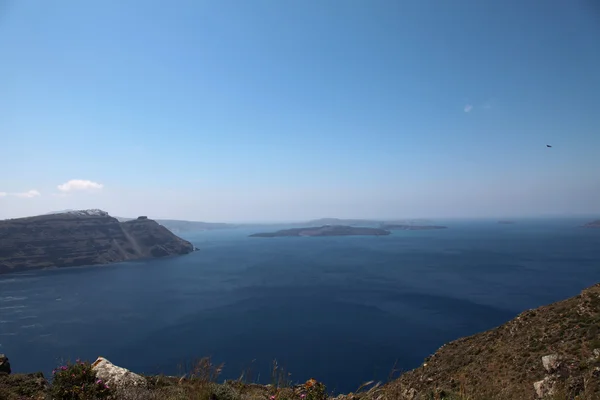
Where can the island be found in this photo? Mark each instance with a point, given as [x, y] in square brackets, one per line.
[506, 222]
[593, 224]
[404, 227]
[84, 237]
[326, 230]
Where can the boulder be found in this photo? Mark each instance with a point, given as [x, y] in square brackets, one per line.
[551, 362]
[117, 377]
[544, 388]
[4, 365]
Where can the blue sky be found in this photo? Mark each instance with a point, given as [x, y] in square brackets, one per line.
[269, 110]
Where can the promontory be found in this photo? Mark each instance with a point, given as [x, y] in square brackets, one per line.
[86, 237]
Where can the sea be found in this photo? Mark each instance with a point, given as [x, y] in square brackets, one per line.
[342, 310]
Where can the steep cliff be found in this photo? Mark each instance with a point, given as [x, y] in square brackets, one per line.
[78, 238]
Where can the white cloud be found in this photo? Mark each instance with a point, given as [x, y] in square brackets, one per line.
[3, 194]
[79, 185]
[468, 108]
[26, 195]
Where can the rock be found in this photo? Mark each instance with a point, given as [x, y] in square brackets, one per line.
[544, 388]
[4, 365]
[551, 362]
[596, 353]
[117, 377]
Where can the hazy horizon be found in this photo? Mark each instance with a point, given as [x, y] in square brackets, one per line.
[516, 218]
[240, 111]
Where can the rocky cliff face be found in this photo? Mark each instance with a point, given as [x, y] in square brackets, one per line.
[82, 238]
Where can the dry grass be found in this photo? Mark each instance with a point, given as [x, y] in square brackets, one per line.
[503, 363]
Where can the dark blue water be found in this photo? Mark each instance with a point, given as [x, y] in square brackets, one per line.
[342, 310]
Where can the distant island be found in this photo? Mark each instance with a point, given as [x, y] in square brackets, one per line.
[174, 225]
[593, 224]
[86, 237]
[326, 230]
[506, 222]
[181, 226]
[363, 222]
[404, 227]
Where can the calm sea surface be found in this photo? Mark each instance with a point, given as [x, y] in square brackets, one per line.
[343, 310]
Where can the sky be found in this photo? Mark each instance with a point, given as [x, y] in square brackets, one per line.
[285, 110]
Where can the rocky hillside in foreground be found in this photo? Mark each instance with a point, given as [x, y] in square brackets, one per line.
[79, 238]
[549, 352]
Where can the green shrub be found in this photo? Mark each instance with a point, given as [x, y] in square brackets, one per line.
[77, 382]
[314, 390]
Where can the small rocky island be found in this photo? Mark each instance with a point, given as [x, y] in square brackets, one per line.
[326, 230]
[408, 227]
[87, 237]
[593, 224]
[506, 222]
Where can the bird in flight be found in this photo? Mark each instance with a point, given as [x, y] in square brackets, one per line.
[548, 145]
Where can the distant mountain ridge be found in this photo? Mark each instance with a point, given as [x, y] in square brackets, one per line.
[181, 226]
[82, 237]
[326, 230]
[593, 224]
[354, 222]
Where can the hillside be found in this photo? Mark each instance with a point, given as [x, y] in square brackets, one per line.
[593, 224]
[77, 238]
[505, 362]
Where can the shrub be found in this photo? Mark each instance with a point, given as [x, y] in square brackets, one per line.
[315, 390]
[77, 382]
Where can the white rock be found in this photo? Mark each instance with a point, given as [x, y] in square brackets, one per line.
[116, 377]
[550, 362]
[544, 388]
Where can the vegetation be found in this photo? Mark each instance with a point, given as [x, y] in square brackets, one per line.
[77, 382]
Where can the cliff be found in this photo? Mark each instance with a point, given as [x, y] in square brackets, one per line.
[79, 238]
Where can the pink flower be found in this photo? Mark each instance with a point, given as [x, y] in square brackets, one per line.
[272, 397]
[302, 396]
